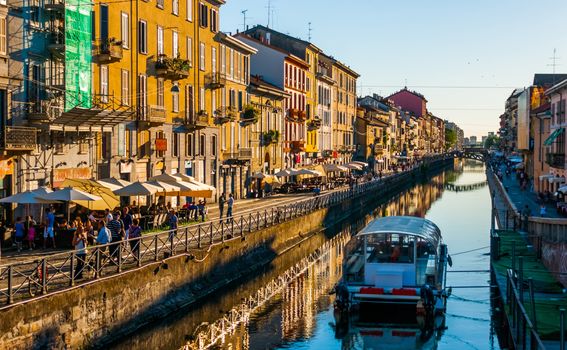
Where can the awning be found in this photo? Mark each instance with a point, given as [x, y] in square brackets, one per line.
[557, 180]
[545, 177]
[553, 136]
[90, 119]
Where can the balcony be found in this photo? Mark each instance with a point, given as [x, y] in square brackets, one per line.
[19, 138]
[314, 124]
[555, 160]
[378, 148]
[172, 68]
[297, 146]
[107, 51]
[55, 6]
[225, 115]
[153, 115]
[38, 113]
[196, 121]
[270, 137]
[245, 153]
[251, 115]
[296, 115]
[215, 81]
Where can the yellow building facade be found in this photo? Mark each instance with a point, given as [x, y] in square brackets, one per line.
[344, 106]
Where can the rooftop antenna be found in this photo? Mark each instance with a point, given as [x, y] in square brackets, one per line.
[269, 11]
[554, 63]
[244, 15]
[309, 31]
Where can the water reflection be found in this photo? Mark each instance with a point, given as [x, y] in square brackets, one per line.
[300, 316]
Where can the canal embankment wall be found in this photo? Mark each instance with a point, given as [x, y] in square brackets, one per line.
[113, 306]
[548, 235]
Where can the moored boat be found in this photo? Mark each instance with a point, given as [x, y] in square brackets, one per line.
[394, 272]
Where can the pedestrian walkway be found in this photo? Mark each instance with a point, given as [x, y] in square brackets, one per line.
[521, 198]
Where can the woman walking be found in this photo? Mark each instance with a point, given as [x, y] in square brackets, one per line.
[135, 232]
[80, 244]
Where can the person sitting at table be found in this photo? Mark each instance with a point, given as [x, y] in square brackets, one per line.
[202, 209]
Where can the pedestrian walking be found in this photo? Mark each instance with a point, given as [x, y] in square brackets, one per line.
[30, 228]
[127, 220]
[116, 227]
[173, 221]
[222, 201]
[48, 231]
[542, 210]
[230, 204]
[135, 232]
[202, 209]
[20, 233]
[80, 244]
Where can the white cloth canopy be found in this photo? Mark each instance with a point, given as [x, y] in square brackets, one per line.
[258, 175]
[353, 166]
[137, 189]
[187, 185]
[359, 163]
[286, 172]
[307, 172]
[113, 183]
[27, 197]
[556, 180]
[165, 187]
[563, 189]
[69, 194]
[545, 177]
[334, 167]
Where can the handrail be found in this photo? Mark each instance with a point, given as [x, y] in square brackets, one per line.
[521, 326]
[24, 281]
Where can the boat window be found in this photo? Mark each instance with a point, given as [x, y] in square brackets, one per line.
[425, 248]
[389, 248]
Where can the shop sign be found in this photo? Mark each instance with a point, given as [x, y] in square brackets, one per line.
[161, 144]
[60, 175]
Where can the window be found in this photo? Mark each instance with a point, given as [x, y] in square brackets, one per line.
[143, 94]
[175, 44]
[125, 87]
[223, 59]
[189, 145]
[125, 30]
[175, 7]
[189, 10]
[231, 63]
[214, 21]
[159, 4]
[104, 83]
[214, 145]
[175, 145]
[175, 100]
[189, 104]
[203, 15]
[238, 65]
[83, 146]
[121, 140]
[143, 143]
[190, 50]
[160, 40]
[60, 143]
[202, 145]
[246, 70]
[3, 36]
[143, 36]
[214, 59]
[202, 99]
[202, 56]
[160, 100]
[161, 135]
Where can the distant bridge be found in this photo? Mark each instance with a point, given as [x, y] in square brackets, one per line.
[479, 154]
[463, 188]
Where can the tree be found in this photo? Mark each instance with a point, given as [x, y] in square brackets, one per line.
[450, 138]
[491, 141]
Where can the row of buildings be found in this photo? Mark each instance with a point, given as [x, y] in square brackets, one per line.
[533, 127]
[133, 90]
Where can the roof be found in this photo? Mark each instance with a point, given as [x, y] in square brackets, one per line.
[406, 225]
[259, 86]
[556, 87]
[235, 43]
[405, 89]
[285, 36]
[548, 80]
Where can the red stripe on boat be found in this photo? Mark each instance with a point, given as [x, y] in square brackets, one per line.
[404, 291]
[376, 333]
[371, 290]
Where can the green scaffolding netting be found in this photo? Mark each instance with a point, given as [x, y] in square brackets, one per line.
[78, 74]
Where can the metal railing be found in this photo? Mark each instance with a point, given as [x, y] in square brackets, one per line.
[522, 330]
[555, 160]
[23, 281]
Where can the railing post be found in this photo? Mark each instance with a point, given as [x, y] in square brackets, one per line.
[186, 239]
[72, 269]
[43, 276]
[138, 252]
[249, 222]
[521, 278]
[156, 248]
[562, 329]
[172, 246]
[10, 281]
[119, 256]
[97, 263]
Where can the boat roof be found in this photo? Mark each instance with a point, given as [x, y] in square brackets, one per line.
[406, 225]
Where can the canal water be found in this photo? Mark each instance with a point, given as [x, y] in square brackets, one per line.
[300, 315]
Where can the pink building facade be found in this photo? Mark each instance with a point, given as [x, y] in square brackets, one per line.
[410, 101]
[555, 143]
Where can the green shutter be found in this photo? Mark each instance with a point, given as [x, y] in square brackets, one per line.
[553, 136]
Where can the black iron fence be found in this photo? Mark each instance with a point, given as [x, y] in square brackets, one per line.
[23, 281]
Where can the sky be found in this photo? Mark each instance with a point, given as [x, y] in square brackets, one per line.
[465, 56]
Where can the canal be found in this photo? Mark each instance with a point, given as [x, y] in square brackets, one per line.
[299, 315]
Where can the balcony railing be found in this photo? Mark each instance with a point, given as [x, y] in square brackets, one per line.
[298, 146]
[215, 80]
[197, 121]
[107, 51]
[153, 115]
[244, 153]
[225, 115]
[173, 68]
[19, 138]
[555, 160]
[314, 124]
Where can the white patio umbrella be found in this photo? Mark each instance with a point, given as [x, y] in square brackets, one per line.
[353, 166]
[68, 195]
[27, 197]
[334, 167]
[137, 189]
[113, 183]
[258, 175]
[307, 172]
[165, 188]
[359, 163]
[286, 172]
